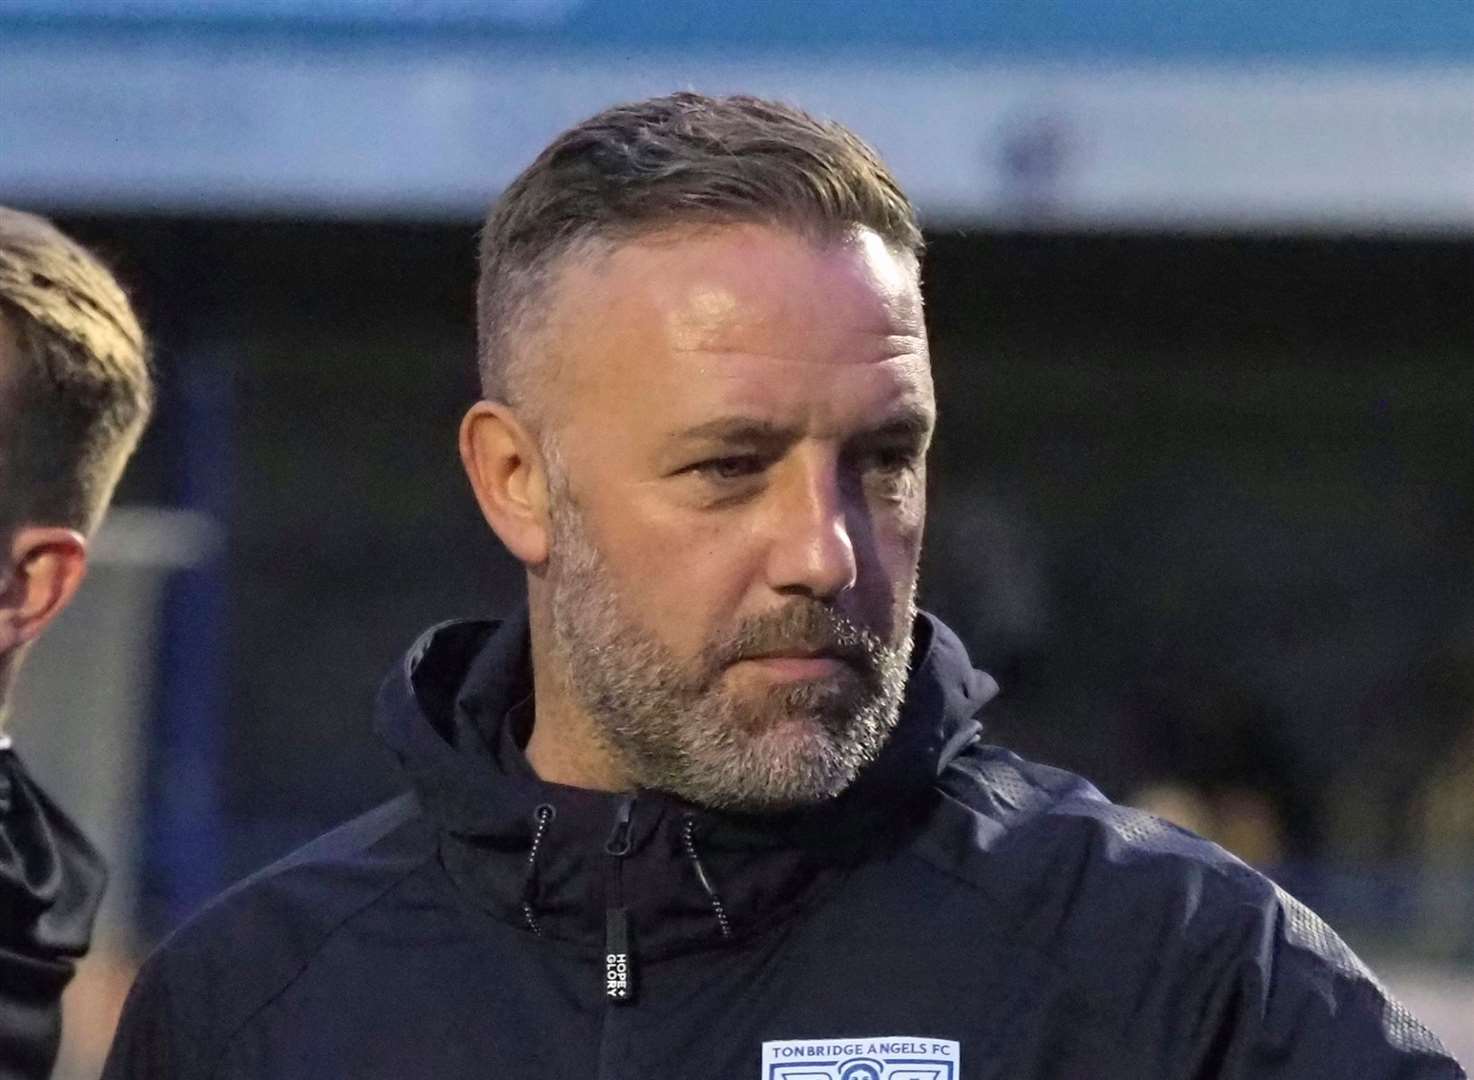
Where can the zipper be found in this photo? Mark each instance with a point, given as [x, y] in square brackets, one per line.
[688, 841]
[619, 959]
[541, 817]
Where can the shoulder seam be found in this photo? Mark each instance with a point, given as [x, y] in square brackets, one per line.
[1357, 974]
[1228, 872]
[227, 1042]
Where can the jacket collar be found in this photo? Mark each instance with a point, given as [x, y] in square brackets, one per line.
[448, 712]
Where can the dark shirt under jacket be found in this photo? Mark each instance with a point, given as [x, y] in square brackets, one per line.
[51, 880]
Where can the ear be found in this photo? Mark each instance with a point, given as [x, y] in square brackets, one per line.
[46, 567]
[509, 477]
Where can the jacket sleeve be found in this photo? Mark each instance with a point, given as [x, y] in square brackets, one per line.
[1303, 1005]
[51, 881]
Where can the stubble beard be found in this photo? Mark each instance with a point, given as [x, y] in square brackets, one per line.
[681, 726]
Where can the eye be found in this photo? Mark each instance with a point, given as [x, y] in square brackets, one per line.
[731, 467]
[889, 470]
[890, 460]
[893, 459]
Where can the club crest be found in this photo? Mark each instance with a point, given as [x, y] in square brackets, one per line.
[892, 1057]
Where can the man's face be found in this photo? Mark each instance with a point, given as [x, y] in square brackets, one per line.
[739, 422]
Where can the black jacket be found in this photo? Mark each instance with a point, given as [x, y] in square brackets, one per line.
[958, 913]
[51, 881]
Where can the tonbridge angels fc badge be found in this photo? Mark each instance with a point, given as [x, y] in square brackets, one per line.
[894, 1057]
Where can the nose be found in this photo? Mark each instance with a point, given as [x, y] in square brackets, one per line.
[812, 552]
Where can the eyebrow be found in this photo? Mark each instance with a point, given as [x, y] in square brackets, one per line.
[911, 422]
[734, 429]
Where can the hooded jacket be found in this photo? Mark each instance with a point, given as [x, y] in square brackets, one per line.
[51, 881]
[957, 914]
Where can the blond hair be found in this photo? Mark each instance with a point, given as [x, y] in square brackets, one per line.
[77, 391]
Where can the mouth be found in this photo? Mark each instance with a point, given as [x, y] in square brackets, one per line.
[799, 664]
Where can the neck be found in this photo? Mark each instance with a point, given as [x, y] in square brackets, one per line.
[7, 673]
[563, 748]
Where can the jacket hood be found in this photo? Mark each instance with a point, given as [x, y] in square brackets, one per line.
[535, 852]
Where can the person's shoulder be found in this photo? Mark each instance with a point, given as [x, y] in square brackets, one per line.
[280, 914]
[247, 945]
[1155, 925]
[1036, 818]
[1083, 873]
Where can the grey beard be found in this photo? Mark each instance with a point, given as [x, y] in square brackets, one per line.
[675, 727]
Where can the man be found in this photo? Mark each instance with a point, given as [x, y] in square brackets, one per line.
[716, 805]
[75, 393]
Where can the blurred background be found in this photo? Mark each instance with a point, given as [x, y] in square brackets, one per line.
[1201, 291]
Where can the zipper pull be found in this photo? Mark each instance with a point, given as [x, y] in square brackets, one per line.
[619, 968]
[619, 961]
[618, 843]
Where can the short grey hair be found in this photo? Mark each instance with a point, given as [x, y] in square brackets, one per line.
[681, 160]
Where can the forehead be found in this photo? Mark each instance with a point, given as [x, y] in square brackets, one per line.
[742, 318]
[712, 287]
